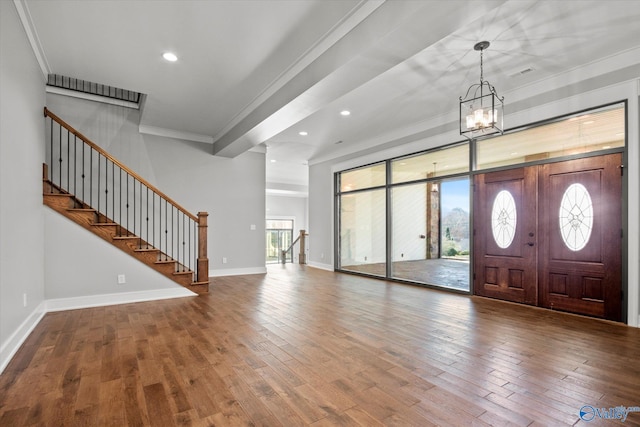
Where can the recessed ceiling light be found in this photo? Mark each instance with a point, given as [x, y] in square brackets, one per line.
[606, 147]
[303, 133]
[588, 122]
[345, 112]
[273, 160]
[171, 57]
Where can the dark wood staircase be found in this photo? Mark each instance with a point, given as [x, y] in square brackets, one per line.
[61, 200]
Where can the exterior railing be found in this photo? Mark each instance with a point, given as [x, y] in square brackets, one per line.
[82, 168]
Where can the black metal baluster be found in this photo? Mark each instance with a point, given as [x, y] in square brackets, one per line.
[134, 206]
[98, 193]
[51, 153]
[140, 215]
[106, 189]
[172, 231]
[60, 156]
[75, 165]
[113, 192]
[68, 161]
[120, 197]
[90, 176]
[128, 229]
[166, 229]
[147, 216]
[183, 239]
[153, 218]
[83, 174]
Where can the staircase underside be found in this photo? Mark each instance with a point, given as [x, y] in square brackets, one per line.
[87, 217]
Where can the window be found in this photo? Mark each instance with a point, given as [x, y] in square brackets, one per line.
[596, 130]
[279, 238]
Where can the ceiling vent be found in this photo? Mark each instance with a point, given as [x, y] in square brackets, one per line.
[521, 72]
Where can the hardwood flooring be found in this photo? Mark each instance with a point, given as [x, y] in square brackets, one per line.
[307, 347]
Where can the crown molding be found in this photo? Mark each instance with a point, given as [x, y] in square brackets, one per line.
[32, 35]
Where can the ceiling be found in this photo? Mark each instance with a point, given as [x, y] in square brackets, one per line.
[257, 72]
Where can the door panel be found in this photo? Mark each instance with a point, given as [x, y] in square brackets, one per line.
[580, 206]
[504, 239]
[566, 249]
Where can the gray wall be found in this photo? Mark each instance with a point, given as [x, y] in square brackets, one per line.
[321, 215]
[232, 191]
[22, 98]
[278, 207]
[77, 263]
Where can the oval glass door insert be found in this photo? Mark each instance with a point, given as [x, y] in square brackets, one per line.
[576, 217]
[504, 219]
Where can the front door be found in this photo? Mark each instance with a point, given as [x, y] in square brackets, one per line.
[581, 209]
[505, 229]
[550, 235]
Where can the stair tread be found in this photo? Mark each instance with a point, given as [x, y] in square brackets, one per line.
[184, 278]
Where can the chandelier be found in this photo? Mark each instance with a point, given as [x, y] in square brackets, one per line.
[481, 110]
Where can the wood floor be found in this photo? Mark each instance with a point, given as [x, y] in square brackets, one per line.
[302, 346]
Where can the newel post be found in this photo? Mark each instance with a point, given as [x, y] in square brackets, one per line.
[302, 256]
[203, 261]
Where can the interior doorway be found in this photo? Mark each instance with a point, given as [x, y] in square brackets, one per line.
[279, 237]
[550, 235]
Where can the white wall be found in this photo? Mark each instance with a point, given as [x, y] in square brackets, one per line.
[613, 80]
[22, 98]
[285, 207]
[232, 191]
[77, 263]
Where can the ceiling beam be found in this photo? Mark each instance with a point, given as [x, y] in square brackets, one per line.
[389, 35]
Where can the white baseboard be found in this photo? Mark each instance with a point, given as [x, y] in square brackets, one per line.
[60, 304]
[327, 267]
[237, 271]
[11, 346]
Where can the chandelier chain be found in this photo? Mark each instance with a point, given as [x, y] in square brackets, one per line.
[481, 67]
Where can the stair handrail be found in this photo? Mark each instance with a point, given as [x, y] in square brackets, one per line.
[301, 256]
[54, 117]
[199, 245]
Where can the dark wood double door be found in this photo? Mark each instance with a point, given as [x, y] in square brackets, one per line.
[550, 235]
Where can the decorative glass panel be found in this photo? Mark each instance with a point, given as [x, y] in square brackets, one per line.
[576, 217]
[504, 219]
